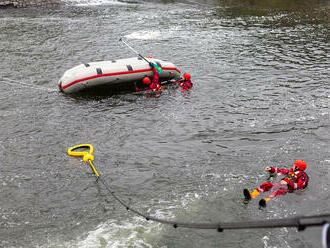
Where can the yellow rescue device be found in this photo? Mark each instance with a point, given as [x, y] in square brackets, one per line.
[87, 155]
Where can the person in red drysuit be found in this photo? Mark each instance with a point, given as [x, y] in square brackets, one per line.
[151, 85]
[185, 83]
[295, 178]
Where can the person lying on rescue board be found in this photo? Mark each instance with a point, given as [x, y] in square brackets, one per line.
[295, 179]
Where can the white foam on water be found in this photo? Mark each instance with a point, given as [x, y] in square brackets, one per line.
[113, 234]
[94, 2]
[134, 231]
[145, 35]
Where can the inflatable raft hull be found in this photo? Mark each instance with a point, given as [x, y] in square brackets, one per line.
[113, 73]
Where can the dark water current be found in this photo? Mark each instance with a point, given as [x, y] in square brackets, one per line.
[262, 90]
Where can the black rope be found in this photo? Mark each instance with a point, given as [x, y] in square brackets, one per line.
[300, 222]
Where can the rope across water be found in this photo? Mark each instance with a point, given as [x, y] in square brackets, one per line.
[23, 84]
[300, 222]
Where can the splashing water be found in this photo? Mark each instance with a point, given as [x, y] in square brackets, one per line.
[93, 2]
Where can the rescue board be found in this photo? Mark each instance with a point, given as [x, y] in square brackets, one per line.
[113, 73]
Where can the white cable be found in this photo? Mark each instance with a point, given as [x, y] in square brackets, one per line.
[33, 86]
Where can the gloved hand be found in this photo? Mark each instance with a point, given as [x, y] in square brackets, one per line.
[151, 64]
[284, 183]
[270, 169]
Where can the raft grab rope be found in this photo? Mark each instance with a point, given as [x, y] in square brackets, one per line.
[300, 222]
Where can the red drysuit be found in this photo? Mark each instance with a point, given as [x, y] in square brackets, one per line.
[296, 179]
[154, 85]
[184, 84]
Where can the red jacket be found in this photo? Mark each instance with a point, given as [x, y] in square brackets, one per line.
[184, 84]
[154, 85]
[296, 179]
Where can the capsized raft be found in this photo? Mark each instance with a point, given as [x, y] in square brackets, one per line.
[112, 73]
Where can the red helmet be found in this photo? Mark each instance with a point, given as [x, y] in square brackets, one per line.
[300, 164]
[146, 80]
[186, 76]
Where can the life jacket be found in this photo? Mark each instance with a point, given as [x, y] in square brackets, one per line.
[185, 82]
[304, 178]
[296, 175]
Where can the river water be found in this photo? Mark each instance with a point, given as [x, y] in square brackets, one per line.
[261, 97]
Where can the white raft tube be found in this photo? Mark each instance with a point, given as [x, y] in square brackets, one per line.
[111, 73]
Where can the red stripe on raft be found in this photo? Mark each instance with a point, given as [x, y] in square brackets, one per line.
[115, 74]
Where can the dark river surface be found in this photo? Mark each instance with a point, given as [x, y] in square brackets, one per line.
[261, 97]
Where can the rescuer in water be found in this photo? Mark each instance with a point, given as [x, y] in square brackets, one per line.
[295, 178]
[185, 83]
[148, 84]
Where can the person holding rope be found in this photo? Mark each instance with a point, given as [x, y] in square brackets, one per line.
[295, 179]
[148, 84]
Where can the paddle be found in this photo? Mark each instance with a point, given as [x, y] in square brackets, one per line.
[157, 67]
